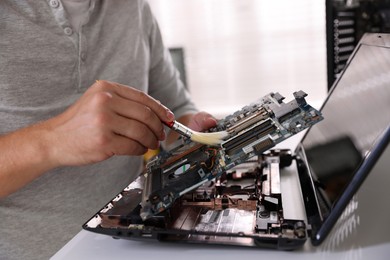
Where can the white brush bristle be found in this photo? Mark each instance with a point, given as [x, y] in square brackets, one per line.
[214, 138]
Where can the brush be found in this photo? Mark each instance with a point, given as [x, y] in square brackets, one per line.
[214, 138]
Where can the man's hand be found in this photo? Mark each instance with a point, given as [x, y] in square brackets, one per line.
[109, 119]
[201, 122]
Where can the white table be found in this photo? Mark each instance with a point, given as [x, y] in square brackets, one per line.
[363, 232]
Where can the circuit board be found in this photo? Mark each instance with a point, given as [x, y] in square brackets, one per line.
[251, 131]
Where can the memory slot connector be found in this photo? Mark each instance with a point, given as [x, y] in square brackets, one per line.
[248, 121]
[248, 137]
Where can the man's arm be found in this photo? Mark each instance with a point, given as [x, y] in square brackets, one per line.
[25, 155]
[109, 119]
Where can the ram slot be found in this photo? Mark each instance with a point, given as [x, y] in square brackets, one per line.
[250, 120]
[233, 146]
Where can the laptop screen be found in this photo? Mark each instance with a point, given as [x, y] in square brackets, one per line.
[356, 113]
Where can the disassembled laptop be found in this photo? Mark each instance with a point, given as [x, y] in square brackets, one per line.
[191, 189]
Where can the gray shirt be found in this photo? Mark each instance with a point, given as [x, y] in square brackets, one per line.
[44, 67]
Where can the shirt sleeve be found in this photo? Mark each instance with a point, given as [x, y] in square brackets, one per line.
[164, 79]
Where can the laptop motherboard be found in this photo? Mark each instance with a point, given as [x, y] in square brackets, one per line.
[251, 131]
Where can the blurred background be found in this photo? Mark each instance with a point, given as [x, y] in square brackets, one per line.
[232, 52]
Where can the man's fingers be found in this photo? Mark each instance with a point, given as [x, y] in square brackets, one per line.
[133, 94]
[160, 110]
[136, 131]
[202, 121]
[124, 146]
[133, 110]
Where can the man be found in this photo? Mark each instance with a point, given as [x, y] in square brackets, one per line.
[69, 143]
